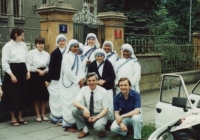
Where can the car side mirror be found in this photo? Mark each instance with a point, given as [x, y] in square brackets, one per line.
[180, 102]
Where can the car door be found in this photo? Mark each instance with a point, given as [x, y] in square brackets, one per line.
[195, 95]
[171, 86]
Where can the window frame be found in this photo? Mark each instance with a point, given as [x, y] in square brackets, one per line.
[93, 6]
[19, 9]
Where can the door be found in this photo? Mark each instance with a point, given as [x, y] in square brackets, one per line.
[171, 86]
[195, 95]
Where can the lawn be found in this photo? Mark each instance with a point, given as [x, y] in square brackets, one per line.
[147, 130]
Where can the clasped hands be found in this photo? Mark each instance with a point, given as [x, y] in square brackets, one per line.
[121, 124]
[101, 82]
[41, 72]
[86, 114]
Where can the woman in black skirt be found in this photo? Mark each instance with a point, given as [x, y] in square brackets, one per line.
[39, 60]
[17, 71]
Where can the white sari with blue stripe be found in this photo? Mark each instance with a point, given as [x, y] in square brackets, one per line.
[70, 76]
[129, 68]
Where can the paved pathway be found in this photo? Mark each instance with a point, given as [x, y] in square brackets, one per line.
[48, 131]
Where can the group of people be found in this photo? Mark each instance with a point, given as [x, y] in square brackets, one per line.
[83, 84]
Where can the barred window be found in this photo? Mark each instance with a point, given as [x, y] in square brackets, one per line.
[93, 6]
[45, 1]
[17, 8]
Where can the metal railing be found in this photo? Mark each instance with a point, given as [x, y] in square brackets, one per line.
[178, 55]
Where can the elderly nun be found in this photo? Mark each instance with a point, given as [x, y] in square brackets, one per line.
[91, 44]
[106, 75]
[111, 55]
[128, 66]
[53, 77]
[71, 82]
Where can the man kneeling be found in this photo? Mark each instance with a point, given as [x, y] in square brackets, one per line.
[127, 106]
[95, 108]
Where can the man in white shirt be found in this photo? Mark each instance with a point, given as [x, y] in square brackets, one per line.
[97, 114]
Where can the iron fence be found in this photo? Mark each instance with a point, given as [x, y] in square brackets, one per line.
[177, 56]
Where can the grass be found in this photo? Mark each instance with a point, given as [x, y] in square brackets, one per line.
[147, 130]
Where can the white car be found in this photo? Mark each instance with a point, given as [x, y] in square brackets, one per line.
[174, 104]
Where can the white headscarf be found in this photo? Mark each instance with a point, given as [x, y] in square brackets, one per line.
[100, 52]
[80, 47]
[60, 37]
[92, 35]
[129, 48]
[71, 43]
[110, 44]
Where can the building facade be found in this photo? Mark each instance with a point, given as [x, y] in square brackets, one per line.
[26, 16]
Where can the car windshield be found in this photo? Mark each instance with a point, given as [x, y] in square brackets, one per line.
[196, 90]
[172, 86]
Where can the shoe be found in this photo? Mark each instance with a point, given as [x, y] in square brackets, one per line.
[83, 134]
[101, 133]
[38, 119]
[23, 122]
[59, 124]
[45, 119]
[73, 130]
[15, 124]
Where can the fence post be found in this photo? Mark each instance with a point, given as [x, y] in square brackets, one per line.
[196, 44]
[114, 27]
[58, 19]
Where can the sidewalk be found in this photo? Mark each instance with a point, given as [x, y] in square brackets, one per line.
[49, 131]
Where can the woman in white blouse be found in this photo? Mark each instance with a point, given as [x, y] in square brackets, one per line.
[17, 71]
[39, 60]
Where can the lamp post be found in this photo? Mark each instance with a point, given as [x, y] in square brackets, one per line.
[190, 21]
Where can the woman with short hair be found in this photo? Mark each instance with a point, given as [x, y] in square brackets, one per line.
[16, 90]
[39, 61]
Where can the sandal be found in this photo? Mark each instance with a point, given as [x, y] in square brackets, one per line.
[45, 119]
[59, 124]
[73, 130]
[23, 122]
[15, 124]
[38, 119]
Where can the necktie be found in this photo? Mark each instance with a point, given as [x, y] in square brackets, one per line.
[91, 104]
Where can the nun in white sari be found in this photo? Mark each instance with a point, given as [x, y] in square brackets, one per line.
[91, 44]
[71, 82]
[52, 82]
[128, 66]
[111, 55]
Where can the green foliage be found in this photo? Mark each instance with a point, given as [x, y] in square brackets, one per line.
[147, 130]
[158, 17]
[176, 56]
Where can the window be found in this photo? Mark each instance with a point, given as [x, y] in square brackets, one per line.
[93, 6]
[17, 8]
[172, 86]
[45, 1]
[3, 7]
